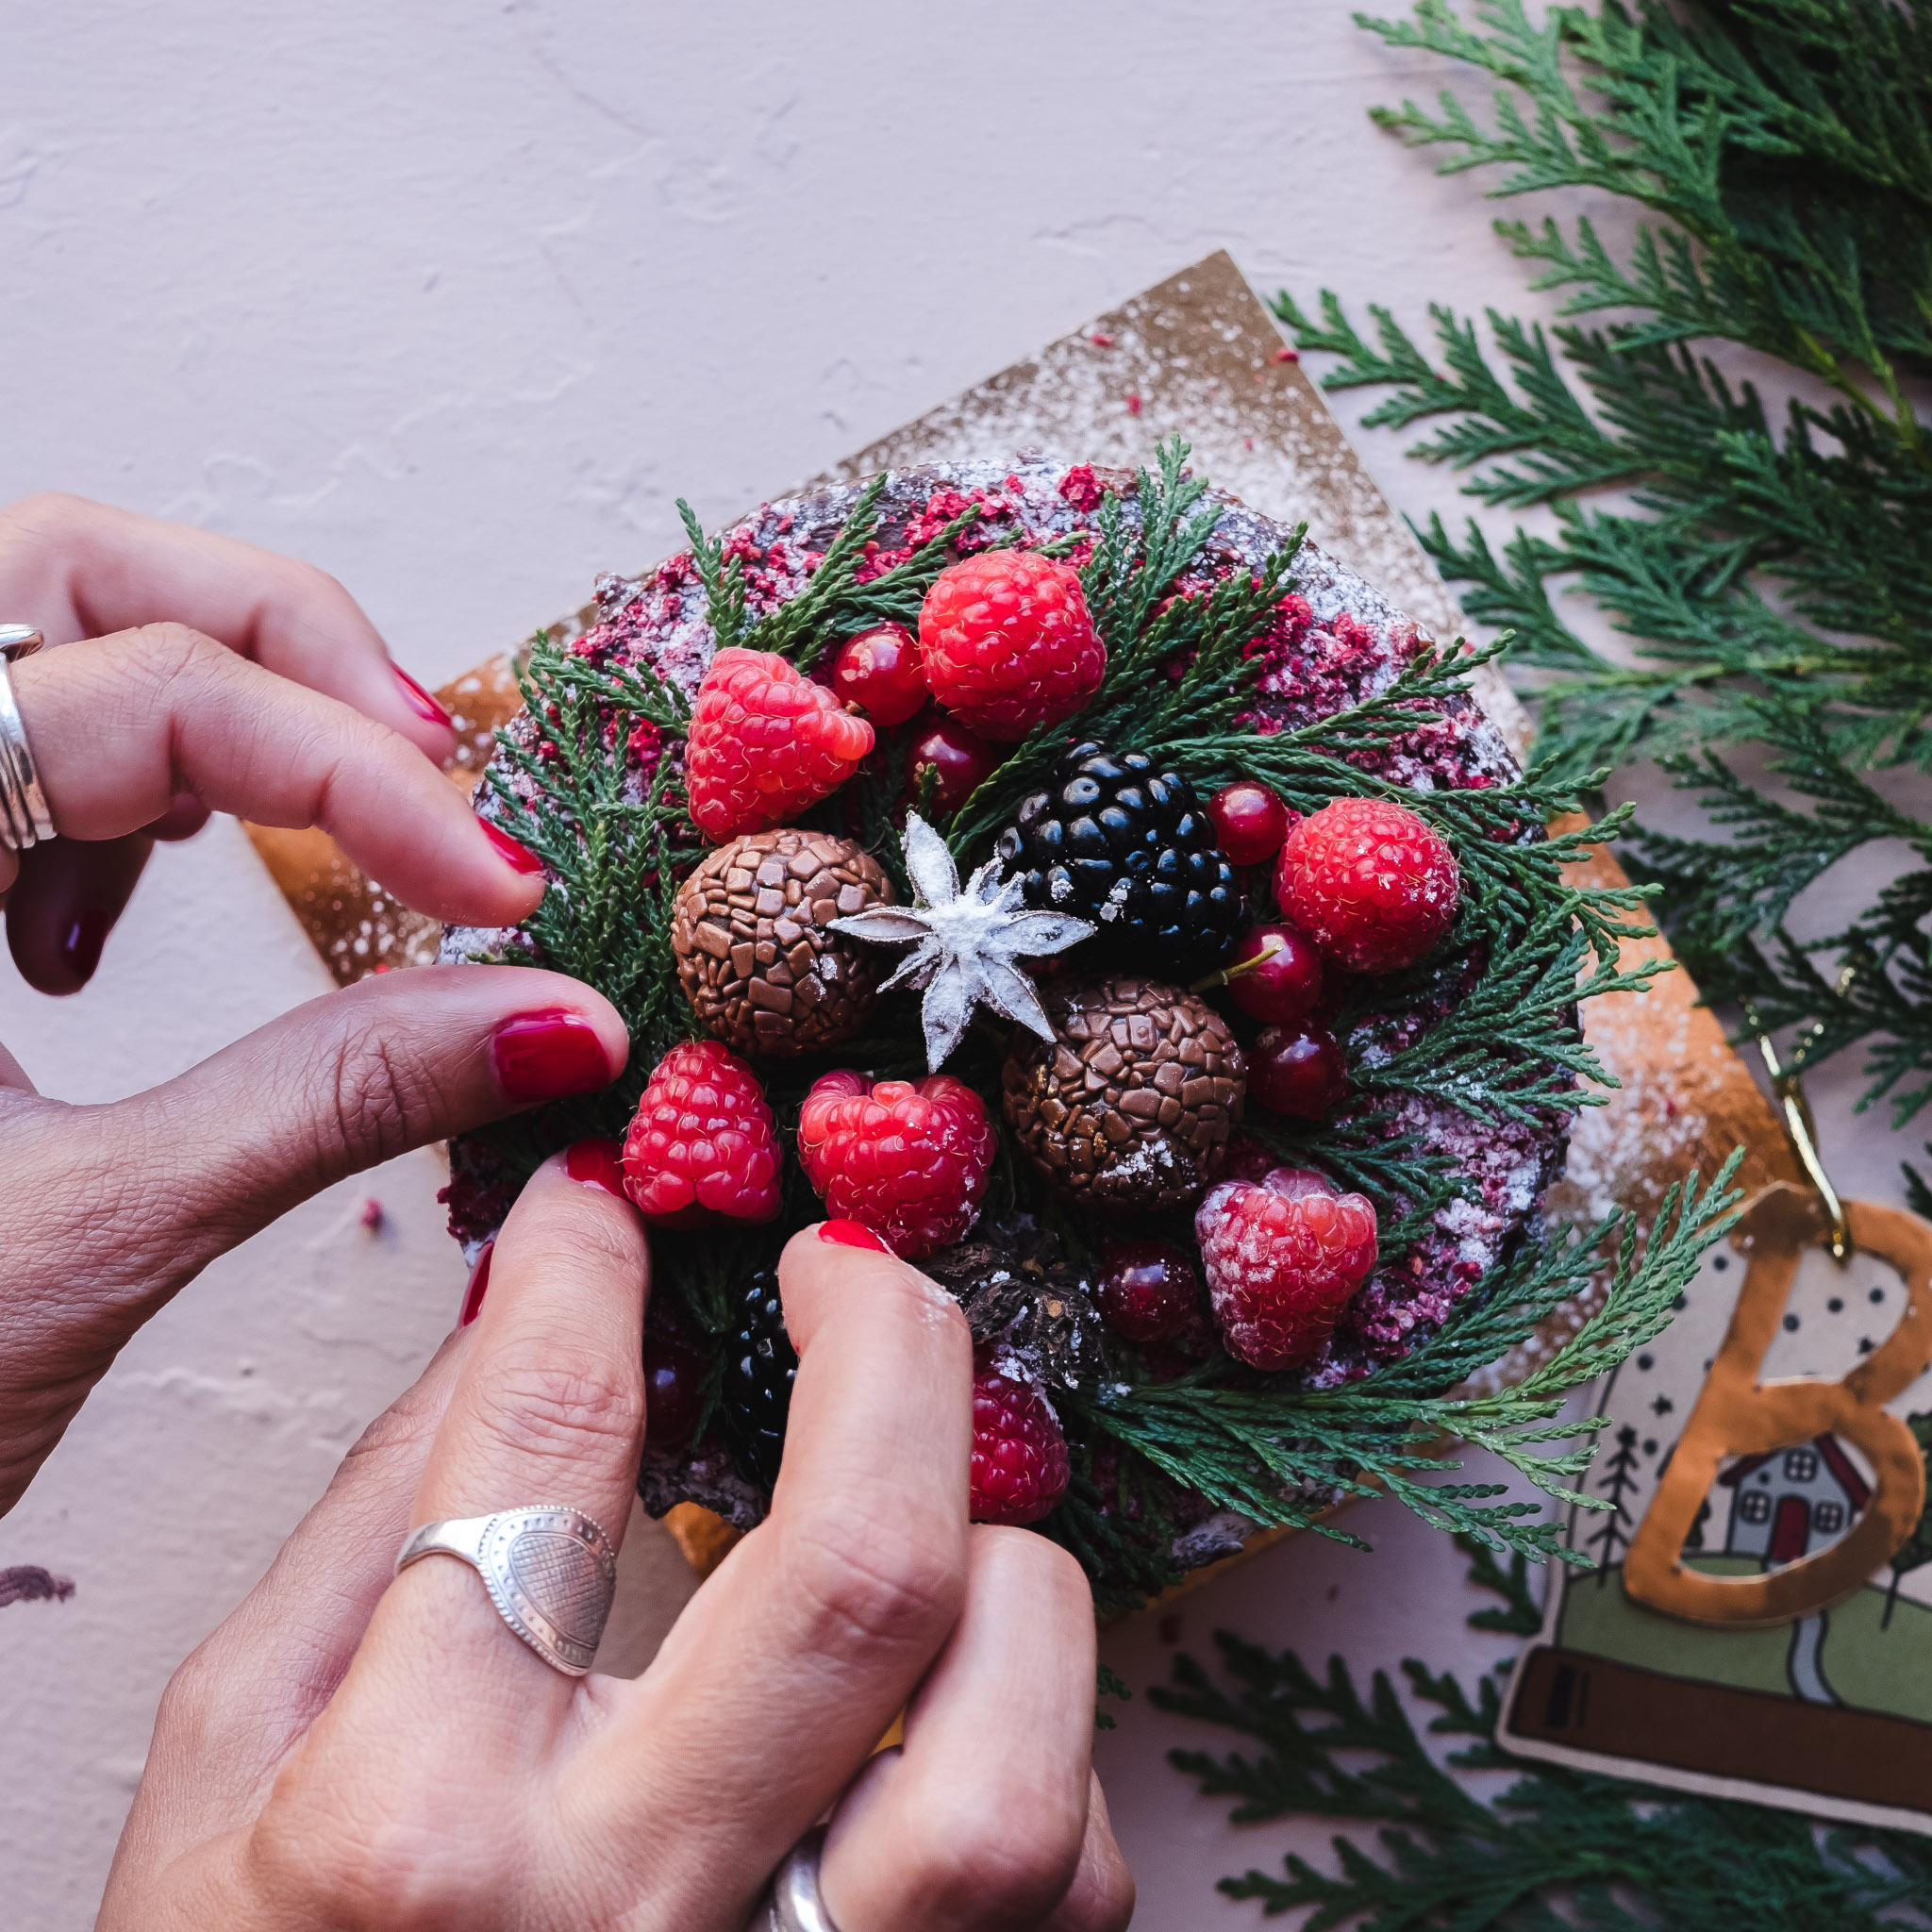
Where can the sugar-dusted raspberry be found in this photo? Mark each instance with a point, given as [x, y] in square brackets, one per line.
[909, 1161]
[1008, 644]
[764, 744]
[1020, 1462]
[702, 1146]
[1284, 1256]
[1372, 885]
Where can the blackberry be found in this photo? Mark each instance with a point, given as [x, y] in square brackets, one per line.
[1127, 845]
[759, 1367]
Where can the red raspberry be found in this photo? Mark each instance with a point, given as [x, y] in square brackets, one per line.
[1020, 1463]
[1008, 644]
[1284, 1256]
[907, 1161]
[764, 744]
[1369, 883]
[702, 1146]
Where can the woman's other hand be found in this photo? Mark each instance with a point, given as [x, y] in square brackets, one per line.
[353, 1752]
[196, 673]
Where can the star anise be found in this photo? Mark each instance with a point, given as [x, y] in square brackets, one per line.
[964, 943]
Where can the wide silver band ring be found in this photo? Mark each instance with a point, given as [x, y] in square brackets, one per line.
[795, 1904]
[24, 819]
[550, 1570]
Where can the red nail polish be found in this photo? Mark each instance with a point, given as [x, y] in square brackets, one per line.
[80, 947]
[549, 1055]
[519, 857]
[849, 1234]
[421, 701]
[480, 1281]
[598, 1164]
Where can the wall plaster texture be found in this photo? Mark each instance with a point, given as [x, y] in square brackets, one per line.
[455, 301]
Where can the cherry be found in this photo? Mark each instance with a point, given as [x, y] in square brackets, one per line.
[1285, 982]
[881, 672]
[1250, 822]
[961, 762]
[673, 1391]
[1148, 1291]
[1297, 1071]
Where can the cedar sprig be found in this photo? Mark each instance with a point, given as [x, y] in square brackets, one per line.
[1555, 1847]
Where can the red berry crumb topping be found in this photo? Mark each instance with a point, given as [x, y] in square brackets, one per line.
[1008, 644]
[764, 744]
[1369, 882]
[1284, 1256]
[1147, 1290]
[1020, 1463]
[1250, 822]
[1298, 1070]
[909, 1161]
[1276, 975]
[881, 671]
[959, 763]
[702, 1146]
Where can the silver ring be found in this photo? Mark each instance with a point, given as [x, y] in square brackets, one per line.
[24, 819]
[550, 1570]
[795, 1905]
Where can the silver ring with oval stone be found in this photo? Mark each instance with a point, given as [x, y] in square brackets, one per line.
[549, 1569]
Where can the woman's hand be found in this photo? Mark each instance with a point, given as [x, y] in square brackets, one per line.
[352, 1752]
[296, 717]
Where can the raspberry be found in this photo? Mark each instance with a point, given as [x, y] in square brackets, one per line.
[702, 1147]
[764, 744]
[907, 1161]
[1020, 1462]
[1284, 1256]
[1369, 883]
[1008, 644]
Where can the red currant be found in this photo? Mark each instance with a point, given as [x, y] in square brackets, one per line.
[1285, 982]
[1297, 1071]
[1249, 821]
[881, 672]
[673, 1391]
[960, 761]
[1147, 1290]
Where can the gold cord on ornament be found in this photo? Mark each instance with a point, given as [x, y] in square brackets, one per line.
[1788, 1084]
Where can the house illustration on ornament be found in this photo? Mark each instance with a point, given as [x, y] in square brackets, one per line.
[1786, 1502]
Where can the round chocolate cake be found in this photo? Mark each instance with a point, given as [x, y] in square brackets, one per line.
[1040, 818]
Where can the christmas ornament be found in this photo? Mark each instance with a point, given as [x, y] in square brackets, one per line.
[1007, 644]
[1122, 842]
[907, 1161]
[702, 1146]
[764, 744]
[1128, 1106]
[1284, 1256]
[966, 945]
[1371, 884]
[757, 955]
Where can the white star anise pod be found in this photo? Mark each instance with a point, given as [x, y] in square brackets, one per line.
[964, 944]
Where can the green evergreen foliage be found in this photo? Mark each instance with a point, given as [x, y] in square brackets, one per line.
[1527, 945]
[1556, 1850]
[1773, 574]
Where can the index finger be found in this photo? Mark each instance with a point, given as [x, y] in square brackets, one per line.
[787, 1667]
[80, 569]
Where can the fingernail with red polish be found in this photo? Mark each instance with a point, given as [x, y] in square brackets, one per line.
[849, 1234]
[424, 707]
[80, 947]
[480, 1281]
[549, 1055]
[520, 858]
[598, 1164]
